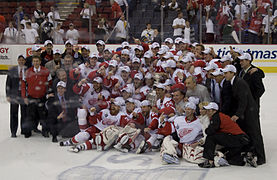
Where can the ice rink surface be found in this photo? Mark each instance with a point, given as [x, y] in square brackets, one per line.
[37, 158]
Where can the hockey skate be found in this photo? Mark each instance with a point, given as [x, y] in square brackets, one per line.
[250, 159]
[170, 159]
[77, 148]
[123, 140]
[206, 164]
[142, 147]
[66, 143]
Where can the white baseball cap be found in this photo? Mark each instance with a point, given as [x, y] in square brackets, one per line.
[230, 68]
[148, 75]
[56, 51]
[119, 101]
[211, 105]
[162, 51]
[186, 59]
[217, 72]
[245, 56]
[168, 55]
[155, 45]
[127, 89]
[147, 55]
[125, 44]
[207, 51]
[195, 44]
[211, 66]
[101, 42]
[136, 60]
[138, 76]
[131, 100]
[93, 55]
[125, 68]
[226, 58]
[190, 105]
[169, 40]
[194, 100]
[35, 47]
[113, 63]
[62, 84]
[108, 49]
[125, 51]
[171, 63]
[177, 40]
[160, 86]
[85, 47]
[145, 103]
[98, 80]
[68, 42]
[48, 42]
[139, 48]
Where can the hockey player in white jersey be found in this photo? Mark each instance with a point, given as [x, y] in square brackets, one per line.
[97, 123]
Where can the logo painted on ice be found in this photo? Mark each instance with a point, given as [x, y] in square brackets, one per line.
[91, 171]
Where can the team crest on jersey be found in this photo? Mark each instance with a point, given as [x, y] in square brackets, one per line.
[184, 132]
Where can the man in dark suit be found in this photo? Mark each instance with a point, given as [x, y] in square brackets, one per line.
[13, 92]
[246, 112]
[253, 79]
[61, 117]
[225, 92]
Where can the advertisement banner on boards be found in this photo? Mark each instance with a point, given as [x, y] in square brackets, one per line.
[264, 55]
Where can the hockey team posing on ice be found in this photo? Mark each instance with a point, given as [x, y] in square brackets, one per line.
[177, 98]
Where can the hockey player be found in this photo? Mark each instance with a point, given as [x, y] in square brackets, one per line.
[98, 122]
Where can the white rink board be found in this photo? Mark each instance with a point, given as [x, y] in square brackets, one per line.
[37, 158]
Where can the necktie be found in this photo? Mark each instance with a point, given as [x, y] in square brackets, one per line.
[63, 108]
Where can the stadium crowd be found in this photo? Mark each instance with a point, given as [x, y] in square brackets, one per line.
[224, 21]
[176, 97]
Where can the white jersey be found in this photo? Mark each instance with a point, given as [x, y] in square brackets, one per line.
[188, 132]
[107, 119]
[90, 98]
[86, 70]
[167, 102]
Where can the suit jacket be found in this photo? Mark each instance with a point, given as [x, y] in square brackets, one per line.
[255, 83]
[244, 105]
[13, 85]
[55, 108]
[226, 98]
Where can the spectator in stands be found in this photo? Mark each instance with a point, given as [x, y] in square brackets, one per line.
[179, 25]
[46, 28]
[25, 19]
[187, 32]
[19, 12]
[72, 34]
[192, 11]
[58, 34]
[274, 31]
[121, 4]
[31, 35]
[85, 12]
[39, 14]
[20, 36]
[229, 34]
[53, 16]
[240, 9]
[121, 29]
[148, 34]
[101, 32]
[266, 27]
[239, 27]
[224, 13]
[254, 29]
[209, 29]
[10, 34]
[116, 10]
[34, 24]
[173, 6]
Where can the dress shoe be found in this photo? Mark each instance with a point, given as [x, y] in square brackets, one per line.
[54, 139]
[45, 134]
[13, 135]
[27, 135]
